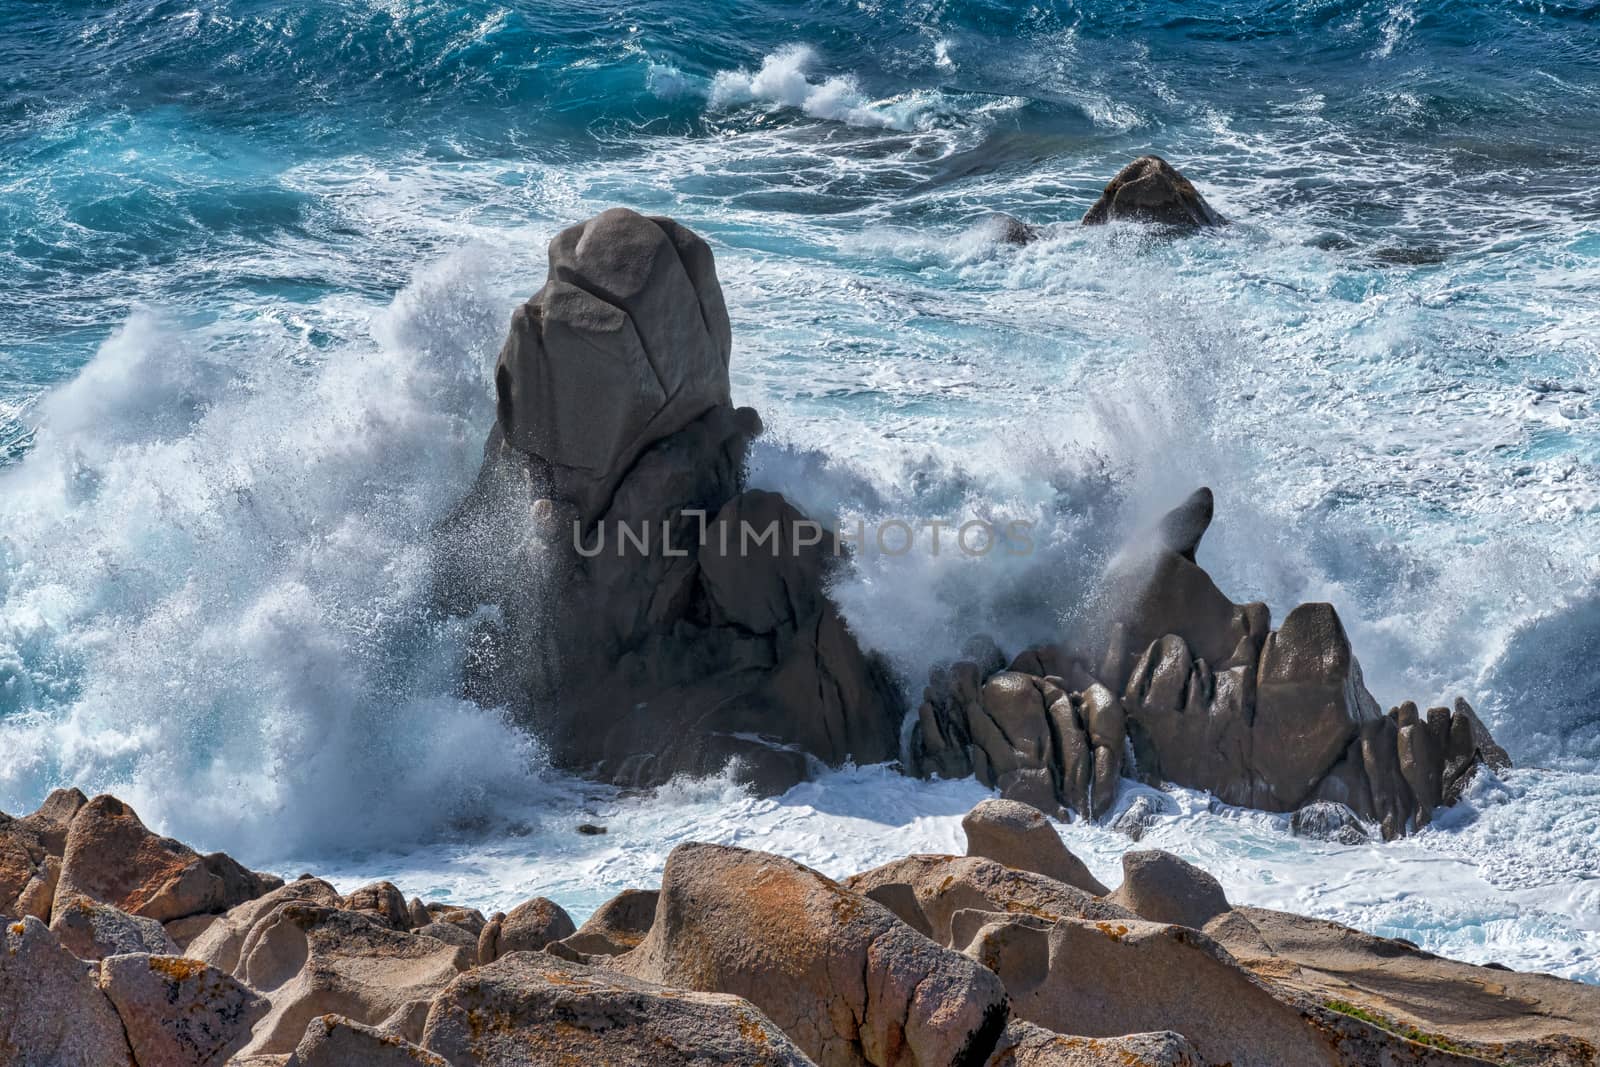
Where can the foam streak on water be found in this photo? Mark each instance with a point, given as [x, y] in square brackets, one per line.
[258, 259]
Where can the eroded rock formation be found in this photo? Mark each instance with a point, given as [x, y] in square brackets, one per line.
[1201, 692]
[649, 626]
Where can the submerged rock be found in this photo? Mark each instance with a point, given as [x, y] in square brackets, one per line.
[1327, 820]
[1151, 190]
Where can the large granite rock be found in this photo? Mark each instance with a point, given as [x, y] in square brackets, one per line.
[632, 316]
[1205, 694]
[842, 976]
[110, 856]
[52, 1014]
[1151, 190]
[179, 1012]
[655, 618]
[529, 1009]
[335, 1041]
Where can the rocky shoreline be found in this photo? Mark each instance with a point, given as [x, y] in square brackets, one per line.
[126, 948]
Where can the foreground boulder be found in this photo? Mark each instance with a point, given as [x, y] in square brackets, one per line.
[179, 1011]
[222, 942]
[656, 618]
[1151, 190]
[529, 1009]
[846, 980]
[51, 1012]
[93, 931]
[1205, 693]
[1109, 979]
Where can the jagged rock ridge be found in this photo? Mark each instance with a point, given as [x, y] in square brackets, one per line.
[1201, 692]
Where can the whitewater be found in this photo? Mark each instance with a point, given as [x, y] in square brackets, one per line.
[259, 262]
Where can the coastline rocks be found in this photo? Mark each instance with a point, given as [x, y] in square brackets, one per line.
[1151, 190]
[655, 618]
[52, 1014]
[1018, 836]
[1211, 697]
[1161, 887]
[111, 857]
[30, 855]
[308, 960]
[846, 980]
[179, 1012]
[335, 1041]
[528, 1009]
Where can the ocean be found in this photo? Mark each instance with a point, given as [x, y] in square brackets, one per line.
[257, 259]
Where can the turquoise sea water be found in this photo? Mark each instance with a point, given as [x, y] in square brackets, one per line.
[256, 260]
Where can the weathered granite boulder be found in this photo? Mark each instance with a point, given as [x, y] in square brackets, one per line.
[1151, 190]
[382, 902]
[846, 980]
[1161, 887]
[1211, 697]
[528, 927]
[179, 1012]
[92, 931]
[111, 857]
[30, 855]
[335, 1041]
[1017, 835]
[221, 943]
[616, 926]
[656, 619]
[943, 886]
[309, 960]
[528, 1009]
[52, 1014]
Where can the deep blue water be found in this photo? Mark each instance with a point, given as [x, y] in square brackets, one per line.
[256, 260]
